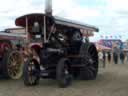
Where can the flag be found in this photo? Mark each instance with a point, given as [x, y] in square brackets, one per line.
[106, 37]
[101, 36]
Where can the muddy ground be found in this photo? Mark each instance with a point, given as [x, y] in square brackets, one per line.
[111, 81]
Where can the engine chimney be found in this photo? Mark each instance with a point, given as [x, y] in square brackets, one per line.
[48, 7]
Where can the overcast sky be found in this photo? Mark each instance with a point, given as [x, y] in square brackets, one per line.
[110, 16]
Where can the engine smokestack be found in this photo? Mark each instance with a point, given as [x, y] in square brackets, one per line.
[48, 7]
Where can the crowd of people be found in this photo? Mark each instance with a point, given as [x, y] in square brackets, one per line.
[115, 56]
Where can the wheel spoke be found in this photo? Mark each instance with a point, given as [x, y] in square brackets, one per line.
[31, 76]
[91, 73]
[92, 68]
[93, 54]
[90, 49]
[12, 59]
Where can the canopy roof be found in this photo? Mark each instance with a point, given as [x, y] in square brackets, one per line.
[11, 36]
[21, 21]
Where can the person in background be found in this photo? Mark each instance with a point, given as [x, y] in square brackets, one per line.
[104, 59]
[126, 57]
[116, 51]
[100, 55]
[122, 57]
[109, 57]
[115, 57]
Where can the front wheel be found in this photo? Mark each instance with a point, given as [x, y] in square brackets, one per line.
[31, 72]
[63, 75]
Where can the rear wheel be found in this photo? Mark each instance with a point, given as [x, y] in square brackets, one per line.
[63, 75]
[90, 61]
[12, 64]
[31, 72]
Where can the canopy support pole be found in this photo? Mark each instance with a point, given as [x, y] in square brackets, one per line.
[45, 40]
[26, 28]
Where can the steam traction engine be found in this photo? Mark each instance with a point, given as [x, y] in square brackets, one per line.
[11, 61]
[56, 50]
